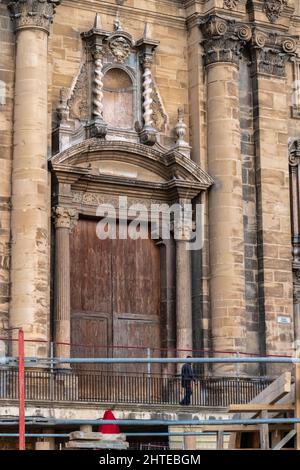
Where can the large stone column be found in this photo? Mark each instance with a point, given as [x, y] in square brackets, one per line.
[184, 328]
[226, 230]
[29, 307]
[64, 220]
[274, 222]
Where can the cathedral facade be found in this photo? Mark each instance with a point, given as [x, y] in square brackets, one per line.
[152, 102]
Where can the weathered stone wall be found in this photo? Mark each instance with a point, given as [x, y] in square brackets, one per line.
[6, 133]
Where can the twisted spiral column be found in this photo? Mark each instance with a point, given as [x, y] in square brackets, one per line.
[147, 93]
[98, 87]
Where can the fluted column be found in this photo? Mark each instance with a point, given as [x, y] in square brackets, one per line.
[29, 307]
[226, 231]
[64, 220]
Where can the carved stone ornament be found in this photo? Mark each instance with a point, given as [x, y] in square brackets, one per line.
[33, 13]
[274, 9]
[159, 116]
[64, 218]
[231, 4]
[78, 103]
[120, 48]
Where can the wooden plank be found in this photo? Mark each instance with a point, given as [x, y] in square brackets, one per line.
[286, 439]
[264, 432]
[274, 392]
[256, 407]
[220, 440]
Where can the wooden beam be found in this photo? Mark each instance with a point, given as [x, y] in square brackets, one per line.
[256, 407]
[274, 392]
[264, 432]
[285, 440]
[220, 440]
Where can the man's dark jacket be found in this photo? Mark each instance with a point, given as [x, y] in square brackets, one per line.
[187, 375]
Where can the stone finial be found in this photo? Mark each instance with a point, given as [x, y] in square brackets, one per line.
[117, 23]
[62, 109]
[28, 14]
[98, 21]
[180, 130]
[147, 31]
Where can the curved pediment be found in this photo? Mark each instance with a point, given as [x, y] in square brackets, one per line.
[119, 160]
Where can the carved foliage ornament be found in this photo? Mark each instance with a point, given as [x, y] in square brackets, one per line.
[274, 9]
[33, 13]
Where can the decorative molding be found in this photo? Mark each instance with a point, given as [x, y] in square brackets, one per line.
[274, 9]
[28, 14]
[64, 217]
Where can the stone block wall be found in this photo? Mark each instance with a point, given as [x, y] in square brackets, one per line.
[6, 133]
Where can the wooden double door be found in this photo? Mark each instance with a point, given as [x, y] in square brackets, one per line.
[115, 298]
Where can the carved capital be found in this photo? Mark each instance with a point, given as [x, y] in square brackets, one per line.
[33, 13]
[223, 39]
[222, 49]
[294, 153]
[64, 217]
[270, 61]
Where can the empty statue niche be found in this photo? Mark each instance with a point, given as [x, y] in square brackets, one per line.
[118, 99]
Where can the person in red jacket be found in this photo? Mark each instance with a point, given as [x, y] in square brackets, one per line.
[109, 428]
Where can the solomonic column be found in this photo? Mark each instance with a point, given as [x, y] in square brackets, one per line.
[226, 232]
[30, 214]
[64, 221]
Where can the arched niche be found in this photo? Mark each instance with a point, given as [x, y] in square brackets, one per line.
[118, 99]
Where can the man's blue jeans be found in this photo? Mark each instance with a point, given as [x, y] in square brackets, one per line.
[187, 396]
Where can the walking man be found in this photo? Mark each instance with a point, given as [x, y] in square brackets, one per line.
[187, 376]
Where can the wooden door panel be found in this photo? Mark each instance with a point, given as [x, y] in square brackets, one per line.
[137, 334]
[136, 277]
[90, 336]
[115, 296]
[90, 269]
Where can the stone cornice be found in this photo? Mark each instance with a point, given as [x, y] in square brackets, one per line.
[29, 14]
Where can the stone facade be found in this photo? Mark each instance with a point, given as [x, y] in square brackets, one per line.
[232, 70]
